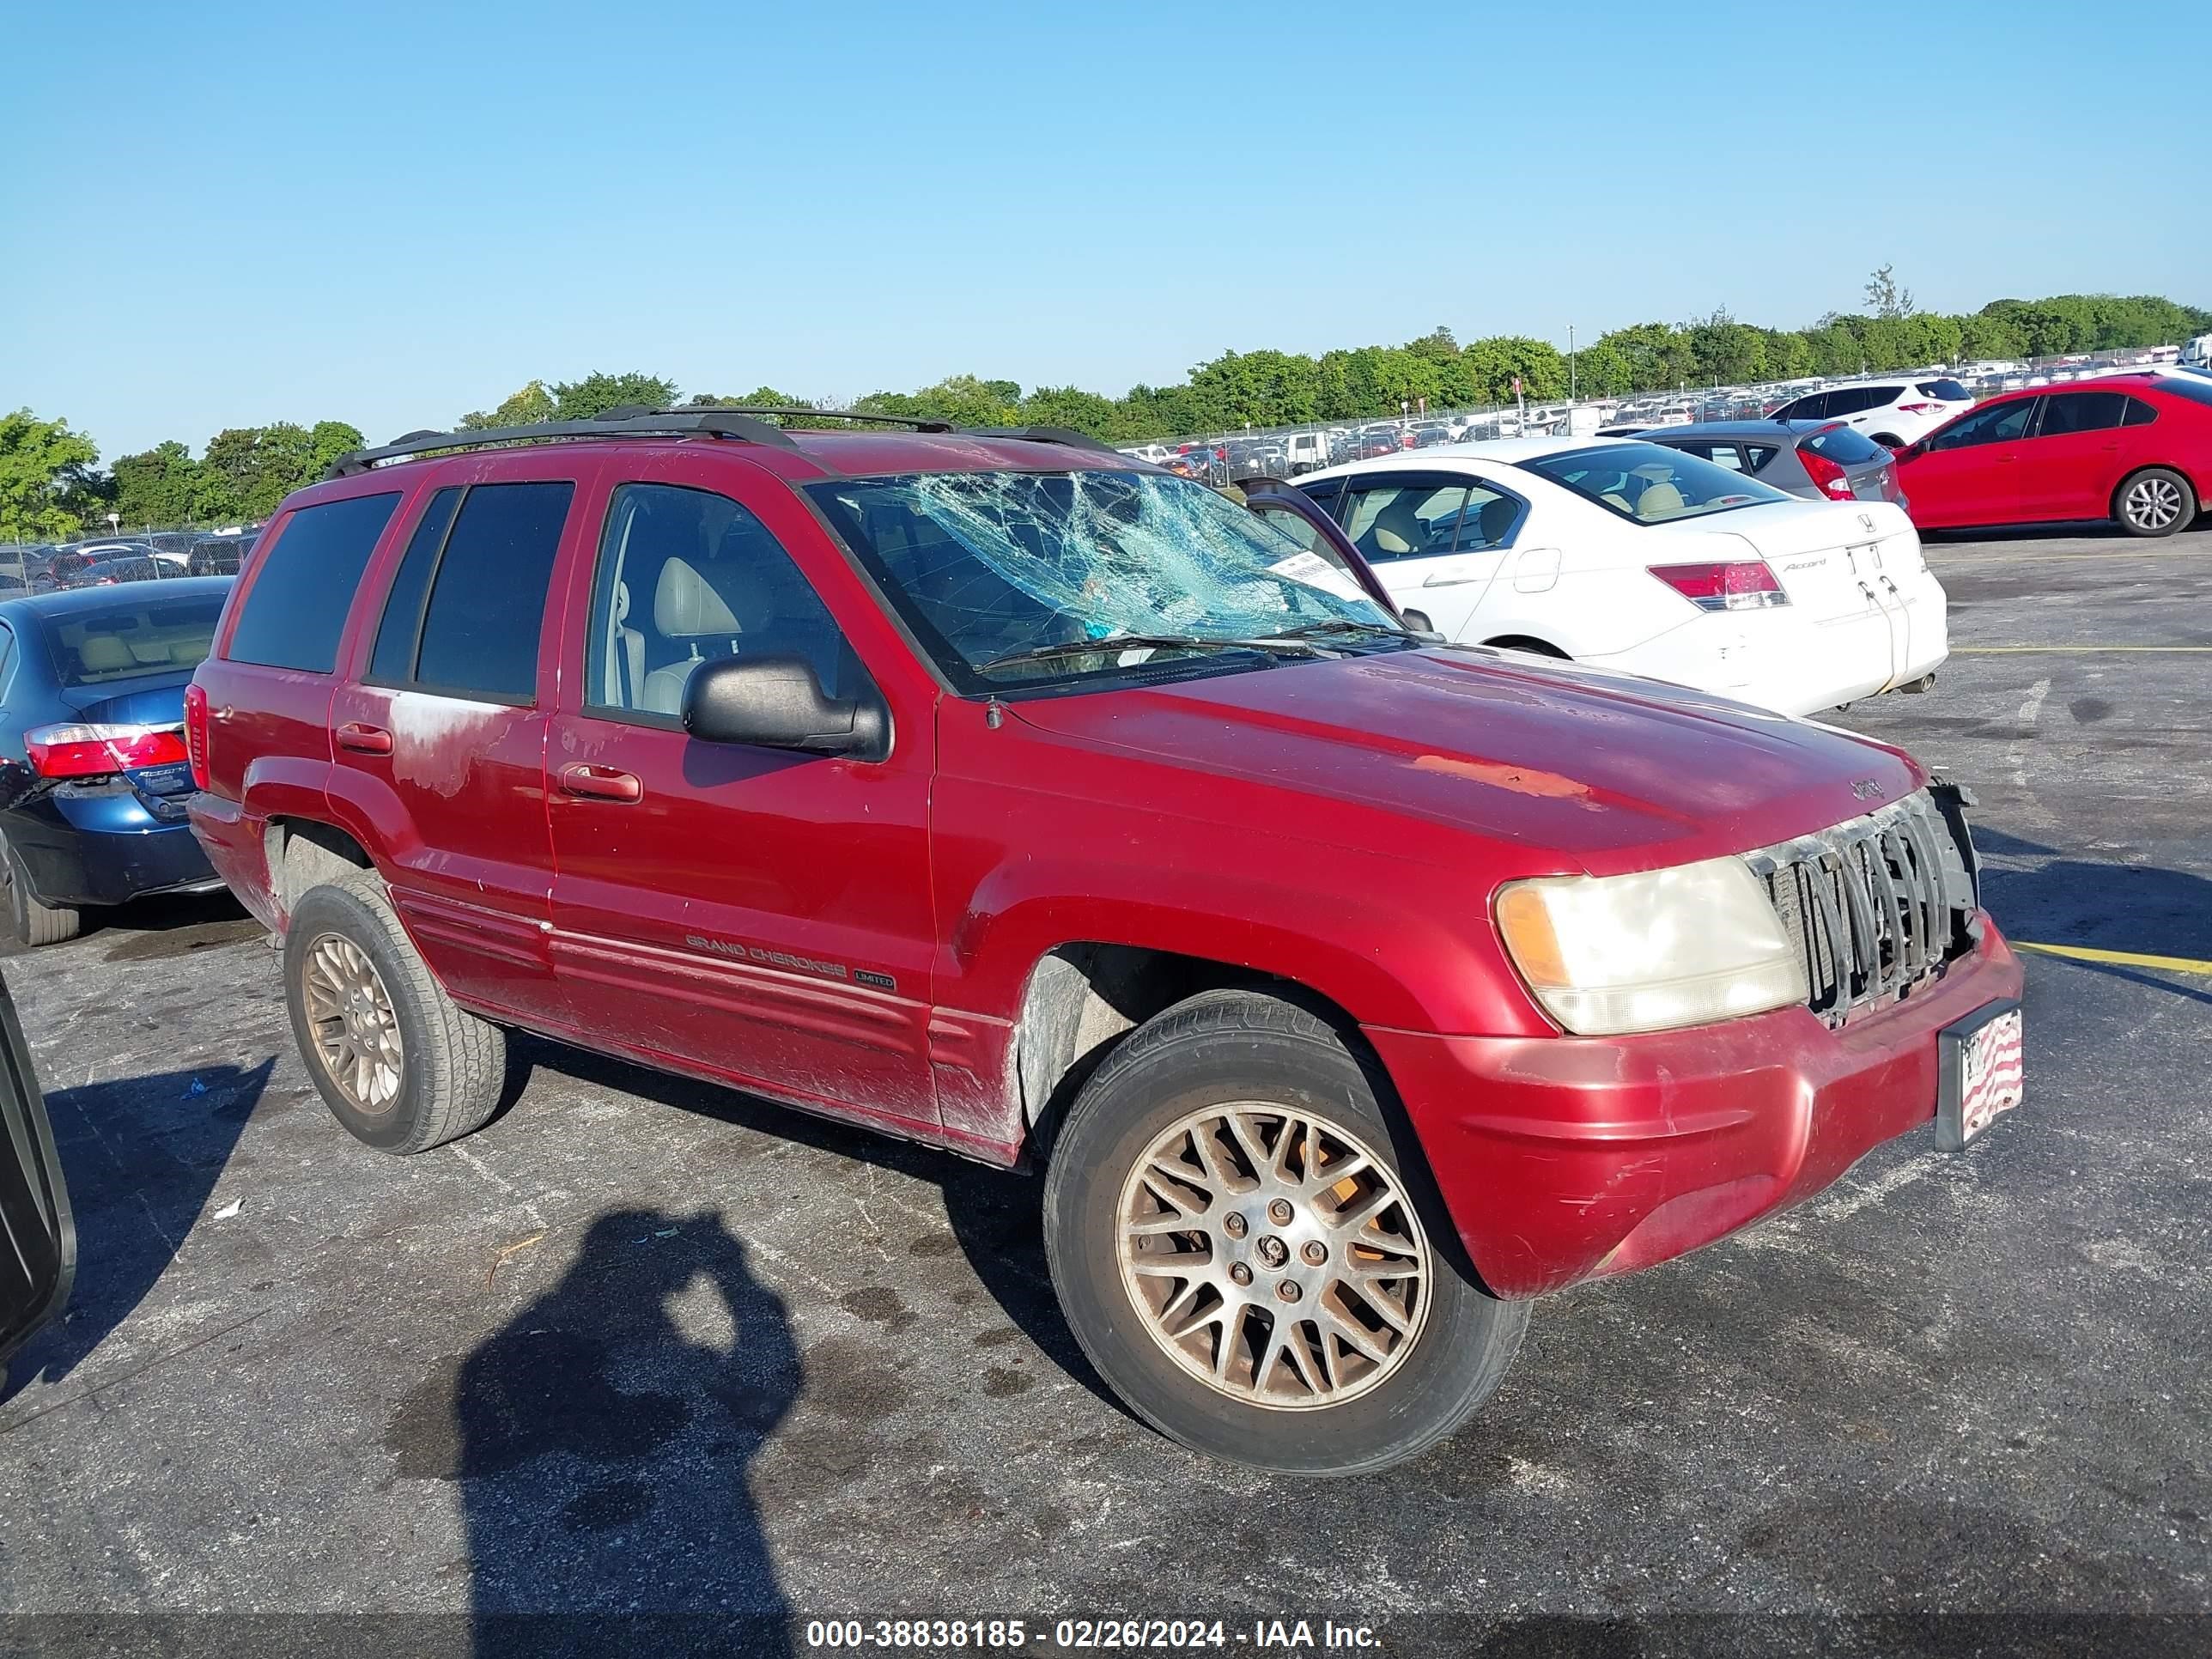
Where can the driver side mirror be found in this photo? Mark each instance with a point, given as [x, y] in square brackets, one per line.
[776, 702]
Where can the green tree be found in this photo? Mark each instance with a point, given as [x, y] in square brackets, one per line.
[960, 399]
[597, 393]
[156, 487]
[1602, 371]
[45, 471]
[1724, 351]
[533, 405]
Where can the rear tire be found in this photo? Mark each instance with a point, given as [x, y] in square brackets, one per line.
[29, 922]
[1887, 440]
[398, 1063]
[2156, 501]
[1255, 1097]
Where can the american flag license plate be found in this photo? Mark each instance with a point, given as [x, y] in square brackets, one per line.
[1982, 1076]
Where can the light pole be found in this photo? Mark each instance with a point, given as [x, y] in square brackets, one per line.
[1571, 365]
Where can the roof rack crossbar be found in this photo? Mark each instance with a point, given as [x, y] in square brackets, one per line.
[766, 411]
[1045, 435]
[617, 423]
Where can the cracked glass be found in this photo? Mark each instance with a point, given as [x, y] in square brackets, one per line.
[1019, 578]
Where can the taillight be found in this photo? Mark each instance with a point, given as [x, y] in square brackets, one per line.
[196, 733]
[1738, 585]
[1921, 409]
[1827, 477]
[96, 751]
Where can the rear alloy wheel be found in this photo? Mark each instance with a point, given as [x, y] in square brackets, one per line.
[1246, 1259]
[397, 1061]
[2156, 502]
[29, 922]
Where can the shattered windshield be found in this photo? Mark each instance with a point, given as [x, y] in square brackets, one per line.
[1021, 578]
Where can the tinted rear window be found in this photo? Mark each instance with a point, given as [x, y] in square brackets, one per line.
[296, 607]
[2188, 386]
[488, 598]
[124, 641]
[1842, 446]
[1949, 390]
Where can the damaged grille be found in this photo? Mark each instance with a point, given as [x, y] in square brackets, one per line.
[1877, 905]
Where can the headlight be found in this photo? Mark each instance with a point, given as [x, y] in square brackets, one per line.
[1683, 946]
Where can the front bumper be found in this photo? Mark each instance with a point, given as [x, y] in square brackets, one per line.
[102, 852]
[1563, 1158]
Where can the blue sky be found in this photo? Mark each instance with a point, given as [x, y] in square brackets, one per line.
[228, 213]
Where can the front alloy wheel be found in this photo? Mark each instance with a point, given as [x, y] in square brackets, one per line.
[1273, 1257]
[1247, 1258]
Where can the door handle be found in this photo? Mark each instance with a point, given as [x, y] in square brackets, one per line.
[1441, 581]
[364, 739]
[601, 783]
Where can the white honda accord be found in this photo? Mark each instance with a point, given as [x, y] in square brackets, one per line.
[1631, 556]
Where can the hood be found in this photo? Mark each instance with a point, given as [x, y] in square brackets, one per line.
[1607, 771]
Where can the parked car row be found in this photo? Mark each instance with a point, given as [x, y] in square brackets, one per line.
[41, 566]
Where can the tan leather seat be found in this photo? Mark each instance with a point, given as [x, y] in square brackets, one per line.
[685, 607]
[1397, 530]
[1659, 501]
[104, 653]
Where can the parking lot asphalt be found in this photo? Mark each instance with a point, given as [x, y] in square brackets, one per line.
[641, 1347]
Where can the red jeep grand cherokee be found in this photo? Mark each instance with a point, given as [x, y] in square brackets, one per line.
[1006, 794]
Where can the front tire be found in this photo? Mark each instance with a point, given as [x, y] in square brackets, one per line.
[2156, 501]
[29, 922]
[1243, 1254]
[399, 1065]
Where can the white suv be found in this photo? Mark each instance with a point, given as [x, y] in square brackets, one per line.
[1893, 413]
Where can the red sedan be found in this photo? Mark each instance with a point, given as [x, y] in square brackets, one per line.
[2133, 448]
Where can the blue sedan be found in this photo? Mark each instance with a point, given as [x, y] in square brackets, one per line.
[93, 775]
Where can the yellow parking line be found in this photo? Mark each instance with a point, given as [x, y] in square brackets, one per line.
[2048, 650]
[2124, 959]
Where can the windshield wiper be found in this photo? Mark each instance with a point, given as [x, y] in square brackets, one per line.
[1344, 625]
[1282, 645]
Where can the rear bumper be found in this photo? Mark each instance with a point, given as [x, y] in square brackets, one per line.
[236, 844]
[76, 859]
[1564, 1158]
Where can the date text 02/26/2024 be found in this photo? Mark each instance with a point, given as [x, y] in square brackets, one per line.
[1085, 1635]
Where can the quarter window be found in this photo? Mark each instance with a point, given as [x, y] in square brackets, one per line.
[487, 593]
[2140, 413]
[296, 607]
[687, 576]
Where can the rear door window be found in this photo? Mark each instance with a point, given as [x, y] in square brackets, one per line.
[486, 605]
[2082, 411]
[293, 614]
[1856, 400]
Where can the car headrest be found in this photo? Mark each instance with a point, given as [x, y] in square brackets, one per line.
[1398, 529]
[685, 606]
[102, 652]
[1659, 501]
[1495, 519]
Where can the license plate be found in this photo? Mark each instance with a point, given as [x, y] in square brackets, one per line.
[1982, 1076]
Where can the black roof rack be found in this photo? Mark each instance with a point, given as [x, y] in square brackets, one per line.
[615, 423]
[1044, 434]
